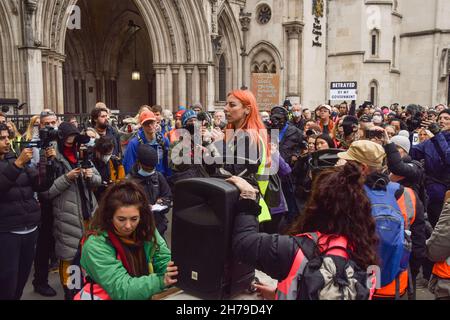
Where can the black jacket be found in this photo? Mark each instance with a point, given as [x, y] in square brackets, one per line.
[411, 170]
[271, 254]
[299, 125]
[162, 191]
[418, 234]
[290, 145]
[114, 135]
[19, 209]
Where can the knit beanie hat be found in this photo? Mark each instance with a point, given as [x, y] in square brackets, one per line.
[402, 142]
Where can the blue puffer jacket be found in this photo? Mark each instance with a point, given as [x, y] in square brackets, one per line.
[436, 153]
[130, 157]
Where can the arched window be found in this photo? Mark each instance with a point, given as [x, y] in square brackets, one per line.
[222, 79]
[374, 43]
[274, 68]
[394, 52]
[373, 89]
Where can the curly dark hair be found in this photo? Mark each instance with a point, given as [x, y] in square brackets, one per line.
[339, 206]
[124, 194]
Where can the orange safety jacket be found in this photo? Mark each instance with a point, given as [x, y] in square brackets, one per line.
[442, 269]
[407, 204]
[173, 136]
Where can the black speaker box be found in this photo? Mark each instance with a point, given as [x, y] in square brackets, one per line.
[203, 217]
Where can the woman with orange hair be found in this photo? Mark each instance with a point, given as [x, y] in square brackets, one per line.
[247, 142]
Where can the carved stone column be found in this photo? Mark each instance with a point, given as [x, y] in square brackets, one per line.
[150, 88]
[33, 60]
[293, 30]
[99, 87]
[245, 19]
[76, 88]
[203, 69]
[60, 86]
[188, 68]
[175, 85]
[160, 71]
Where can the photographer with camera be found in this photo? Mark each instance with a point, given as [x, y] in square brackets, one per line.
[72, 197]
[20, 216]
[110, 167]
[43, 142]
[194, 145]
[436, 154]
[46, 135]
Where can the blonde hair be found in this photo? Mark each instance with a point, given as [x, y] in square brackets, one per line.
[16, 132]
[29, 132]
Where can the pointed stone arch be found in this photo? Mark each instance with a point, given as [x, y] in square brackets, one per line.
[177, 30]
[231, 44]
[11, 77]
[269, 49]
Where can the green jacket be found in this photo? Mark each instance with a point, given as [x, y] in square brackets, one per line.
[99, 260]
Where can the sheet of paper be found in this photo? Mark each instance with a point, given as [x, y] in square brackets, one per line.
[158, 207]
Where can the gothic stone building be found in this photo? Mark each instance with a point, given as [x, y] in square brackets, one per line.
[69, 54]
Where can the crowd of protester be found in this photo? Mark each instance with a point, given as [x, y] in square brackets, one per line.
[99, 198]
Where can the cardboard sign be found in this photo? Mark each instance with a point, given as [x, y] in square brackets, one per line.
[266, 88]
[344, 91]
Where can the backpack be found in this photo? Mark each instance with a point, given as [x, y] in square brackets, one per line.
[90, 290]
[328, 276]
[395, 243]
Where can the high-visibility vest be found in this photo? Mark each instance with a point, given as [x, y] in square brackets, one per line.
[288, 288]
[442, 269]
[407, 205]
[263, 183]
[93, 291]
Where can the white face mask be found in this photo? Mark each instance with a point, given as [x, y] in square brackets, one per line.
[106, 158]
[297, 114]
[91, 143]
[377, 119]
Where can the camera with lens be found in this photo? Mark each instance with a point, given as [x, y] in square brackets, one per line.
[374, 134]
[87, 156]
[47, 135]
[205, 119]
[416, 116]
[434, 128]
[303, 144]
[322, 160]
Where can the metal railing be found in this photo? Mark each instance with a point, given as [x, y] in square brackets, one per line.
[83, 119]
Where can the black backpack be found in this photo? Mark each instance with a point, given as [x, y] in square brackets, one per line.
[330, 277]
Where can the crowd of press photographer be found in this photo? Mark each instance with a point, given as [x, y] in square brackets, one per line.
[325, 195]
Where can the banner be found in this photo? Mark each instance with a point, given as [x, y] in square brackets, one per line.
[266, 88]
